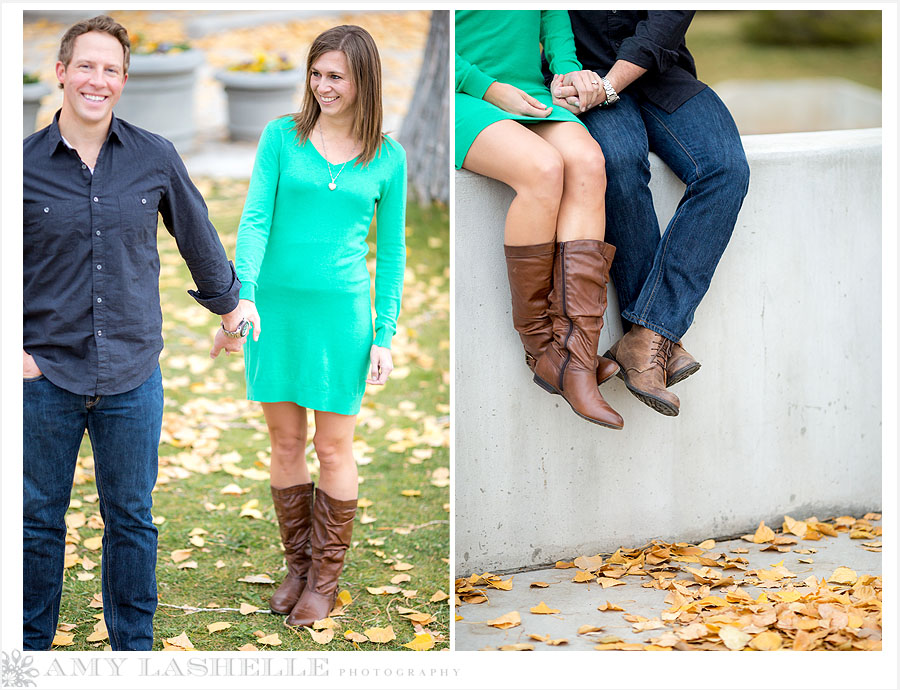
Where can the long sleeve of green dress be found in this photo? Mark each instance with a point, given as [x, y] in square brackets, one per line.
[301, 250]
[505, 46]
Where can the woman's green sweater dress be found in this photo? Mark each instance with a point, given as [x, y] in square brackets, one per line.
[505, 46]
[301, 257]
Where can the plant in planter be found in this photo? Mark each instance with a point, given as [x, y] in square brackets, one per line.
[32, 93]
[258, 90]
[159, 95]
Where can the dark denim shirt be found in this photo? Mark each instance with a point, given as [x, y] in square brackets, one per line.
[652, 39]
[92, 318]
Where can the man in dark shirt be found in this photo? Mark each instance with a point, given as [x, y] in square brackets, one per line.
[654, 102]
[93, 186]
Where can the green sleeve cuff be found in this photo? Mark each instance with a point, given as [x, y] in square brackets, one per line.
[248, 291]
[383, 338]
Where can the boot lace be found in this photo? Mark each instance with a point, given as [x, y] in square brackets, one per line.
[662, 349]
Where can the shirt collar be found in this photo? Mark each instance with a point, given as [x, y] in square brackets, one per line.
[55, 140]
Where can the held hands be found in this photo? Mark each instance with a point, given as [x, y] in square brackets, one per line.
[582, 89]
[513, 100]
[30, 368]
[221, 341]
[381, 367]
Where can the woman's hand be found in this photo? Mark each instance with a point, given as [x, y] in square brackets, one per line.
[513, 100]
[381, 365]
[248, 309]
[588, 87]
[30, 368]
[564, 96]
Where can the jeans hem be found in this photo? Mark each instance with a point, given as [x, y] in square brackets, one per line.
[656, 328]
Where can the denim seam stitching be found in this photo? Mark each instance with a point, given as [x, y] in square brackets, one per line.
[105, 558]
[673, 222]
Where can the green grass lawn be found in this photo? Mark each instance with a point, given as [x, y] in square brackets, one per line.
[722, 52]
[213, 438]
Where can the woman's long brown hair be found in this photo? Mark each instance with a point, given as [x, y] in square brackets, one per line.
[365, 71]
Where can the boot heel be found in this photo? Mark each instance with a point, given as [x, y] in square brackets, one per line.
[546, 386]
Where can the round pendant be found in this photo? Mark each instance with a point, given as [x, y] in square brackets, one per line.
[332, 186]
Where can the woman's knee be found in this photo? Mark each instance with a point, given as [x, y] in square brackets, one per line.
[287, 444]
[542, 176]
[332, 451]
[585, 165]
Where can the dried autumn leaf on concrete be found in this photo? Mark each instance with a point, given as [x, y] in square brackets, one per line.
[843, 576]
[766, 641]
[509, 620]
[584, 629]
[734, 638]
[380, 635]
[584, 576]
[564, 564]
[609, 607]
[542, 608]
[537, 585]
[763, 534]
[589, 562]
[609, 582]
[517, 647]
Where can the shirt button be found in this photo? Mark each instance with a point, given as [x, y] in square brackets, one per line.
[143, 201]
[98, 233]
[99, 300]
[46, 209]
[83, 166]
[99, 267]
[96, 199]
[99, 332]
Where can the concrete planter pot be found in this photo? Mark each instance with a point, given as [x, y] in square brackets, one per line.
[255, 98]
[159, 95]
[31, 103]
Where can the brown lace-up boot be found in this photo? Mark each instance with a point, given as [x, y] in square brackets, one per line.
[331, 531]
[643, 354]
[293, 507]
[530, 272]
[568, 365]
[681, 364]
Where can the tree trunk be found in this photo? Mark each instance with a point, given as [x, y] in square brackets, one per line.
[425, 133]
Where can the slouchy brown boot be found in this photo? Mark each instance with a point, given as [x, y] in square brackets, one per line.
[568, 365]
[331, 531]
[530, 272]
[293, 507]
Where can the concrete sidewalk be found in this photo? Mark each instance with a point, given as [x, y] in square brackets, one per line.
[578, 602]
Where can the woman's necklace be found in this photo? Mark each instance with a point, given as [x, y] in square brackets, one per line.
[333, 184]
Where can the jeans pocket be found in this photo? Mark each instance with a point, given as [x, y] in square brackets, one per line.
[32, 378]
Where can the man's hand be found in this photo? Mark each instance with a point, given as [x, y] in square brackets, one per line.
[588, 87]
[564, 96]
[227, 343]
[513, 100]
[381, 365]
[29, 367]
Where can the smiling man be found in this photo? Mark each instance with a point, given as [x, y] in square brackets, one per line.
[92, 333]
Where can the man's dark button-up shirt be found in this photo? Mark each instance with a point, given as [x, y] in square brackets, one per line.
[652, 39]
[92, 318]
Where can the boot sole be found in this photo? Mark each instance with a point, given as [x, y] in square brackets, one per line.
[551, 389]
[651, 401]
[683, 373]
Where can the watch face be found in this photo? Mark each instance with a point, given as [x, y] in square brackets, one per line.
[245, 328]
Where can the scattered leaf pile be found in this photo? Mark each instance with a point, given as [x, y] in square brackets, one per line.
[708, 605]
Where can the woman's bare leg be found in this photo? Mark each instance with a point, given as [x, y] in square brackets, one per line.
[515, 155]
[334, 447]
[582, 208]
[287, 432]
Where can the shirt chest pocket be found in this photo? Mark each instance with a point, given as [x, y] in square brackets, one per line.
[139, 217]
[52, 227]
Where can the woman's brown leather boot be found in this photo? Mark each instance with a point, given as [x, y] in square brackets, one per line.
[293, 507]
[331, 530]
[568, 365]
[529, 269]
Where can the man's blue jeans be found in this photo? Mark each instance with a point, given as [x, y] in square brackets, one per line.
[660, 281]
[124, 430]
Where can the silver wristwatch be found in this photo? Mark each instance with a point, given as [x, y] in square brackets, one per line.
[242, 329]
[611, 95]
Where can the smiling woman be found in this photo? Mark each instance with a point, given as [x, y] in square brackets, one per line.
[319, 178]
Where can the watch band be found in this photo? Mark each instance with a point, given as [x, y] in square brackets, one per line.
[242, 329]
[611, 95]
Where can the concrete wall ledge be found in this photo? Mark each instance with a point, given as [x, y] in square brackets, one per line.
[783, 418]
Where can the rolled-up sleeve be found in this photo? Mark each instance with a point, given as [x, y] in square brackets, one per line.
[186, 217]
[654, 45]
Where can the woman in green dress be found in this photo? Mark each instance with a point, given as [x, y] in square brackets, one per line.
[319, 177]
[509, 127]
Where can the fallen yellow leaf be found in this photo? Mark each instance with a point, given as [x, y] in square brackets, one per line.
[63, 639]
[273, 640]
[93, 543]
[510, 620]
[421, 642]
[763, 534]
[542, 608]
[843, 576]
[766, 641]
[380, 635]
[734, 638]
[181, 555]
[248, 608]
[216, 627]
